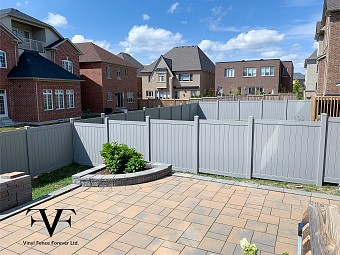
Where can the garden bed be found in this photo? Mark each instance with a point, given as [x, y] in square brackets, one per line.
[98, 177]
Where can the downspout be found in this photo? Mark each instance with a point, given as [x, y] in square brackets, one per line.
[36, 94]
[15, 54]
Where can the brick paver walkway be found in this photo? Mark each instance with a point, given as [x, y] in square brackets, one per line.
[175, 215]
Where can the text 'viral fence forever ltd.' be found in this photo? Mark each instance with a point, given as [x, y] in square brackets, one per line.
[284, 150]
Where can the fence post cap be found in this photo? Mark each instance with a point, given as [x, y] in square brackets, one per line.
[102, 115]
[27, 127]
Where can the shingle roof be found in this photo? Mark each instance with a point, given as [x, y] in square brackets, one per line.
[333, 5]
[32, 65]
[311, 59]
[127, 57]
[314, 55]
[94, 53]
[298, 76]
[185, 58]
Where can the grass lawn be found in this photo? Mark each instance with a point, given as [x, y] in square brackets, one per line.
[5, 129]
[329, 189]
[48, 182]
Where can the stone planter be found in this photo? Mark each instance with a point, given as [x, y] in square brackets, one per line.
[89, 178]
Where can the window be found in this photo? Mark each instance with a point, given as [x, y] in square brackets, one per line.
[149, 93]
[119, 74]
[229, 72]
[195, 93]
[68, 65]
[255, 90]
[126, 72]
[161, 77]
[177, 94]
[149, 78]
[162, 95]
[108, 72]
[59, 99]
[267, 71]
[120, 100]
[249, 71]
[70, 98]
[219, 91]
[26, 35]
[130, 97]
[109, 96]
[3, 60]
[284, 72]
[48, 101]
[185, 77]
[15, 31]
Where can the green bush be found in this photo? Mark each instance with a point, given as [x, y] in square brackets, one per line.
[119, 158]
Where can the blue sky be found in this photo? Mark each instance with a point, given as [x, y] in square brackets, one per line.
[226, 30]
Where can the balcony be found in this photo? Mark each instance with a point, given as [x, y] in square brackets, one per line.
[30, 44]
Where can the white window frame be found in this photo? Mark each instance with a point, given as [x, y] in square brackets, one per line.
[67, 65]
[187, 78]
[159, 77]
[149, 93]
[48, 99]
[108, 72]
[119, 73]
[249, 72]
[255, 89]
[5, 59]
[120, 100]
[229, 73]
[59, 99]
[267, 71]
[109, 96]
[130, 97]
[195, 93]
[70, 99]
[162, 94]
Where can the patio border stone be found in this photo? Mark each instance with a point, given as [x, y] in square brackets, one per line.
[88, 178]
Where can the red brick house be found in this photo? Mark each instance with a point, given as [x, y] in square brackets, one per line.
[39, 71]
[110, 83]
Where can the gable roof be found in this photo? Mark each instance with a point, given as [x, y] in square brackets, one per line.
[314, 55]
[311, 59]
[20, 15]
[61, 41]
[127, 57]
[298, 76]
[94, 53]
[185, 58]
[32, 65]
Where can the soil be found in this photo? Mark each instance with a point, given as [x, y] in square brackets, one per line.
[105, 171]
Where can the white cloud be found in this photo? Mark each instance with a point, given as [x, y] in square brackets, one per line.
[173, 8]
[20, 4]
[101, 43]
[215, 18]
[184, 22]
[306, 30]
[56, 20]
[150, 40]
[145, 16]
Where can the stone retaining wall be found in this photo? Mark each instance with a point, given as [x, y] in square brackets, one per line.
[15, 189]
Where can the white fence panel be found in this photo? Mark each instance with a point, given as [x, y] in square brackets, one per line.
[299, 110]
[274, 110]
[250, 108]
[332, 165]
[138, 115]
[228, 110]
[207, 110]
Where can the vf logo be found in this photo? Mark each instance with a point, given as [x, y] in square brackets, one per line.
[51, 228]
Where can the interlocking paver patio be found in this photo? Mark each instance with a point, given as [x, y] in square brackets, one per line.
[174, 215]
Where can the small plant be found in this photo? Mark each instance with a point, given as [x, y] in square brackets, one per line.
[248, 249]
[119, 158]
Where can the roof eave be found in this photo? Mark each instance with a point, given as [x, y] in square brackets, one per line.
[43, 79]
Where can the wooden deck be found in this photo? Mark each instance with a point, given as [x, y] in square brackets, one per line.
[325, 104]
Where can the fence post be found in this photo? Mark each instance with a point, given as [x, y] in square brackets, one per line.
[196, 144]
[102, 115]
[126, 114]
[72, 135]
[159, 112]
[148, 139]
[286, 106]
[144, 109]
[171, 112]
[239, 109]
[181, 110]
[217, 109]
[106, 123]
[28, 147]
[250, 141]
[261, 109]
[322, 150]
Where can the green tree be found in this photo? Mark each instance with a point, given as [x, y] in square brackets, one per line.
[296, 86]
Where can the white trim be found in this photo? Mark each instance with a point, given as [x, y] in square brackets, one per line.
[5, 103]
[49, 94]
[67, 65]
[59, 99]
[5, 56]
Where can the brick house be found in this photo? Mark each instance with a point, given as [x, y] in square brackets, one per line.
[110, 83]
[328, 56]
[127, 57]
[254, 76]
[39, 71]
[181, 73]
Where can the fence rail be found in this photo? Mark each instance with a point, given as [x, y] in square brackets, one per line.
[325, 104]
[283, 96]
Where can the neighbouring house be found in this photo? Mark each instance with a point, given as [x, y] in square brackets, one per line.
[254, 77]
[328, 55]
[181, 73]
[110, 83]
[127, 57]
[39, 71]
[311, 77]
[300, 77]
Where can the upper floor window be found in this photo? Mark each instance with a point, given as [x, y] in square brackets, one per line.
[108, 72]
[126, 72]
[149, 77]
[249, 71]
[130, 97]
[229, 72]
[267, 71]
[185, 77]
[109, 96]
[149, 93]
[161, 77]
[3, 60]
[68, 65]
[119, 73]
[285, 72]
[59, 99]
[15, 31]
[26, 35]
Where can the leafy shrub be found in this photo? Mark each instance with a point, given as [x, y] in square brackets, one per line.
[119, 158]
[248, 248]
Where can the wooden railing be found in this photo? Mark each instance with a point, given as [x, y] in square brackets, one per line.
[325, 104]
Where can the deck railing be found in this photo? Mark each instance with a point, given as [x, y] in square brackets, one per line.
[325, 104]
[30, 44]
